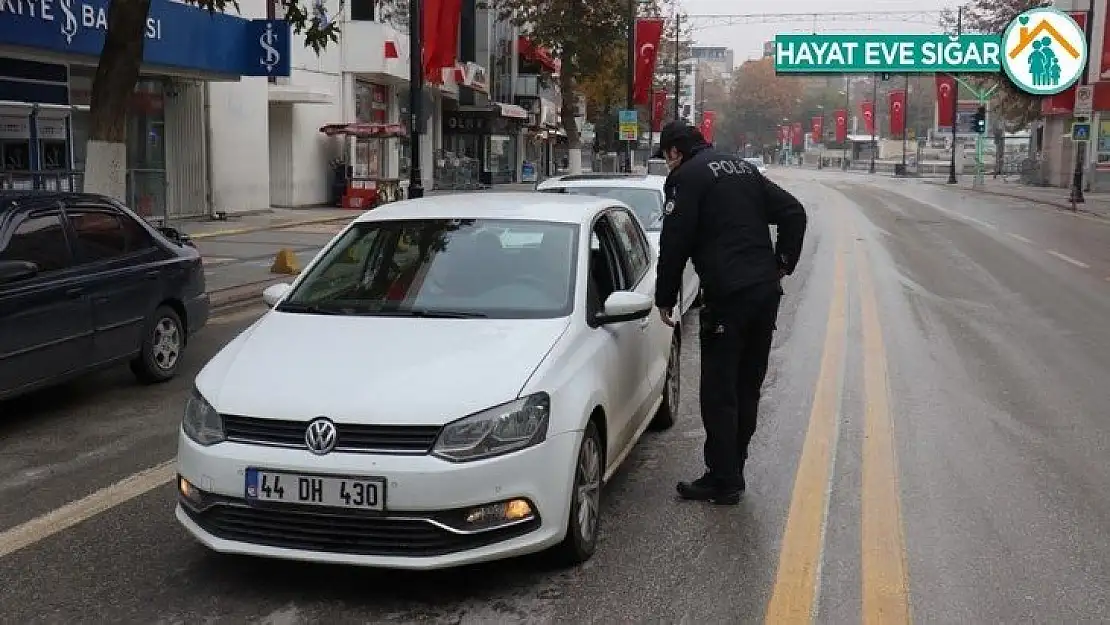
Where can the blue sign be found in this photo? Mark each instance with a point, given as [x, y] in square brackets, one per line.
[627, 117]
[177, 35]
[1080, 132]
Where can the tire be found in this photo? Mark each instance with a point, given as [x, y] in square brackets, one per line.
[672, 387]
[163, 344]
[581, 540]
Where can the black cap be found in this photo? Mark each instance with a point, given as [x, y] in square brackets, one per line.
[677, 134]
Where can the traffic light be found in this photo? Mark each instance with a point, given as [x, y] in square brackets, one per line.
[979, 121]
[885, 76]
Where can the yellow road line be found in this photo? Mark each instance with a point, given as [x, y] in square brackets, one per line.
[794, 596]
[884, 570]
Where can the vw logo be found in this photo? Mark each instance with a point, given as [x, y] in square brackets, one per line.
[321, 436]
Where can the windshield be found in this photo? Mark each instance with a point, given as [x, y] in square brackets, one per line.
[646, 203]
[505, 269]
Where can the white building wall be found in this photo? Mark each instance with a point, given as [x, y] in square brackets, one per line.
[240, 145]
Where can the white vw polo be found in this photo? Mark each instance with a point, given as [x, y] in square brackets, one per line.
[450, 381]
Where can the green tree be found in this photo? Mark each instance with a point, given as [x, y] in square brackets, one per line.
[118, 72]
[573, 29]
[759, 101]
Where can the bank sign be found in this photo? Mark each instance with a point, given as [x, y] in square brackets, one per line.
[1043, 51]
[177, 35]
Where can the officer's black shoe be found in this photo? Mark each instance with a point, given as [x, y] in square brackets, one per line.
[708, 488]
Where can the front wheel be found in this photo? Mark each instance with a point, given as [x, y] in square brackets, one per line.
[585, 505]
[672, 386]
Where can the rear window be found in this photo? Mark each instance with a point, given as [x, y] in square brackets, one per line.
[646, 203]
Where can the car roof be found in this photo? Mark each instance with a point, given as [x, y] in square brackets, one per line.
[11, 198]
[529, 206]
[630, 181]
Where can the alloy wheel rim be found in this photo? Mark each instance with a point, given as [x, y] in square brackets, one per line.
[589, 489]
[167, 344]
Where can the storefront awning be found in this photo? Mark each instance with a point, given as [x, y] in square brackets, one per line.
[511, 111]
[364, 130]
[541, 55]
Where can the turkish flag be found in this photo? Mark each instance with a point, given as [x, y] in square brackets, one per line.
[897, 112]
[946, 99]
[867, 109]
[816, 127]
[840, 117]
[707, 119]
[440, 30]
[649, 30]
[391, 50]
[658, 110]
[797, 135]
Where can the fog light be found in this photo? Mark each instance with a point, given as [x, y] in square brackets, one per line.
[188, 491]
[501, 513]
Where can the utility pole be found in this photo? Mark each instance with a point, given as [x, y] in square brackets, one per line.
[955, 102]
[847, 112]
[1080, 146]
[905, 120]
[874, 119]
[416, 101]
[631, 77]
[677, 64]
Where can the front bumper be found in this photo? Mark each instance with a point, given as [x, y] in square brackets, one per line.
[419, 490]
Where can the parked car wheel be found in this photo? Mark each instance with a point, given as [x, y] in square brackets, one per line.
[585, 505]
[163, 344]
[668, 410]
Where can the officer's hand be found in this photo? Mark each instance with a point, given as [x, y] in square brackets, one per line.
[665, 315]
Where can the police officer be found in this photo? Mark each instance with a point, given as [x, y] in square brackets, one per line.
[718, 211]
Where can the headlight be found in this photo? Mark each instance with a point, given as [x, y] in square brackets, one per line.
[500, 430]
[201, 422]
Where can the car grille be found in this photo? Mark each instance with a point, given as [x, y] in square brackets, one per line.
[339, 532]
[385, 439]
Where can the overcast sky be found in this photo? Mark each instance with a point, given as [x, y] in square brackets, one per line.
[746, 35]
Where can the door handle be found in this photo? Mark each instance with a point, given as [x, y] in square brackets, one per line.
[75, 292]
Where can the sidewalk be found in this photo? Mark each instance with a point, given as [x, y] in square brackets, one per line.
[1096, 204]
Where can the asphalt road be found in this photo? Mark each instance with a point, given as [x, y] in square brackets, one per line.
[932, 445]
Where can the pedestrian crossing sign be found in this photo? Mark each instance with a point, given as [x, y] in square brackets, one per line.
[1081, 131]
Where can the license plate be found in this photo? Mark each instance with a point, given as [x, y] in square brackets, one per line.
[359, 493]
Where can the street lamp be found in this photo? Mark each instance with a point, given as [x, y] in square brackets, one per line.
[874, 105]
[631, 75]
[821, 140]
[847, 93]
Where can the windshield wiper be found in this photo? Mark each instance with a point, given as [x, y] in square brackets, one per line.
[432, 314]
[310, 309]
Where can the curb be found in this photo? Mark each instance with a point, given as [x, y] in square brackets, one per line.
[228, 298]
[291, 224]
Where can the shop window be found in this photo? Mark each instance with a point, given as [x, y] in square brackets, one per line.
[1103, 157]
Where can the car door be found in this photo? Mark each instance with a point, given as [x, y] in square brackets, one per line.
[622, 340]
[45, 320]
[636, 253]
[125, 275]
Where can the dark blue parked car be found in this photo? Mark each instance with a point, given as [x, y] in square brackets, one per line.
[86, 284]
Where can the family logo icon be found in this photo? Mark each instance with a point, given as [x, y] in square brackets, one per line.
[1045, 51]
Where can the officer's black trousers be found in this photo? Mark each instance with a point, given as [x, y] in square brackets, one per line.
[736, 334]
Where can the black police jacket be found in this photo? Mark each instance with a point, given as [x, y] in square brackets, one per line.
[718, 213]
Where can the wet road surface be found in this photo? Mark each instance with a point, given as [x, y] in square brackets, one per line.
[932, 445]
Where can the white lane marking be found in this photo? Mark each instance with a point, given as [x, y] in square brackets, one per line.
[71, 514]
[1020, 238]
[1069, 259]
[981, 223]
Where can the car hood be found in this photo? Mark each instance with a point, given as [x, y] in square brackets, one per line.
[375, 370]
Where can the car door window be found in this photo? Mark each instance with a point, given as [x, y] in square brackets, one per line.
[606, 269]
[633, 245]
[104, 233]
[39, 238]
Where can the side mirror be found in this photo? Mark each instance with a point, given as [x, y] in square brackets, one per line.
[625, 306]
[274, 293]
[16, 270]
[175, 235]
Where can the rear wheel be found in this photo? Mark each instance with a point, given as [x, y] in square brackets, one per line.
[585, 505]
[672, 386]
[163, 343]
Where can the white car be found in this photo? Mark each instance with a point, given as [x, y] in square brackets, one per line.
[644, 193]
[758, 162]
[450, 381]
